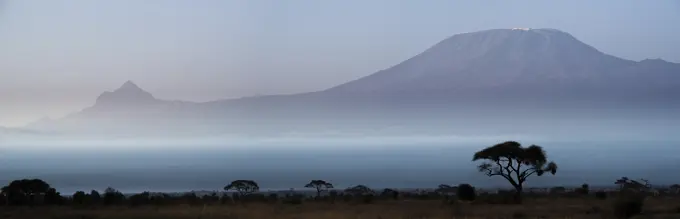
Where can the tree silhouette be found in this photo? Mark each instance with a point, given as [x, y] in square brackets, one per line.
[675, 188]
[445, 190]
[143, 198]
[25, 191]
[95, 197]
[359, 190]
[320, 186]
[466, 192]
[79, 198]
[514, 163]
[626, 184]
[113, 196]
[52, 197]
[243, 187]
[390, 193]
[622, 182]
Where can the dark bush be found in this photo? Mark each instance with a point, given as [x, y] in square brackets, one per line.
[295, 199]
[191, 198]
[585, 189]
[79, 198]
[628, 206]
[557, 190]
[52, 197]
[389, 194]
[367, 199]
[601, 195]
[140, 199]
[160, 199]
[113, 197]
[95, 197]
[466, 192]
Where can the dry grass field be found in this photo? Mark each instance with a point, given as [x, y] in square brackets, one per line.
[544, 207]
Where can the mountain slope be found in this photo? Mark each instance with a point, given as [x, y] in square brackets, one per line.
[483, 76]
[126, 109]
[517, 63]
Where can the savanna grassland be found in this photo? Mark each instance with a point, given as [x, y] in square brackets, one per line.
[549, 206]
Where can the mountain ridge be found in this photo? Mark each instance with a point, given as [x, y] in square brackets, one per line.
[510, 68]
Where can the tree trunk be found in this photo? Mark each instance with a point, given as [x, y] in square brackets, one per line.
[518, 194]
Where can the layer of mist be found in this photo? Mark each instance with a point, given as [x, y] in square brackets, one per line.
[397, 162]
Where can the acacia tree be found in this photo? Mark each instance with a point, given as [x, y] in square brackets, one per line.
[243, 187]
[359, 190]
[514, 163]
[626, 184]
[320, 186]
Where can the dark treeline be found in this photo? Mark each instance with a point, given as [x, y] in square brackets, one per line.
[508, 161]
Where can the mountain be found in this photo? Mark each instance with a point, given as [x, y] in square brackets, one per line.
[129, 95]
[519, 64]
[491, 76]
[120, 110]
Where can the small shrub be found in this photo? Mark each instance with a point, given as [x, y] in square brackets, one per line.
[294, 199]
[367, 199]
[601, 195]
[139, 199]
[466, 192]
[628, 206]
[79, 198]
[585, 189]
[557, 190]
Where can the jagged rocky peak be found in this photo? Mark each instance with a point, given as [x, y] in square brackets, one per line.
[126, 95]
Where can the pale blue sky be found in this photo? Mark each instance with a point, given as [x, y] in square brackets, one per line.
[57, 56]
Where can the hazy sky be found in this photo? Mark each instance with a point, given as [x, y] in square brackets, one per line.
[57, 56]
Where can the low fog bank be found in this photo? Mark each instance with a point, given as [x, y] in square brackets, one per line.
[348, 133]
[395, 150]
[283, 163]
[378, 120]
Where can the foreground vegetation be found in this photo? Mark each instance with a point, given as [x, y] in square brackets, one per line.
[564, 205]
[509, 161]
